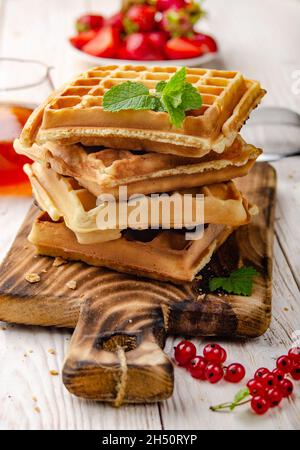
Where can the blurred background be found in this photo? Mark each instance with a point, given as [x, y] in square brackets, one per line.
[59, 38]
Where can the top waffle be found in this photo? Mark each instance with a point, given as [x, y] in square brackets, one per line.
[75, 114]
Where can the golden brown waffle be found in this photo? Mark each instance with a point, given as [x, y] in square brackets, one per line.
[164, 255]
[104, 170]
[62, 197]
[75, 114]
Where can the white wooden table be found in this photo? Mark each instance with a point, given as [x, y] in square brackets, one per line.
[260, 38]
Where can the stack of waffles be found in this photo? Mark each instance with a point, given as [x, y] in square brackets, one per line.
[81, 152]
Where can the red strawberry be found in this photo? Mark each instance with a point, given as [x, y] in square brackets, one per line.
[163, 5]
[205, 42]
[181, 48]
[139, 47]
[142, 16]
[115, 21]
[89, 22]
[123, 53]
[105, 43]
[83, 38]
[158, 39]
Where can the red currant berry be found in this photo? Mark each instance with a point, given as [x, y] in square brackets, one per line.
[260, 373]
[278, 374]
[284, 364]
[269, 380]
[255, 387]
[213, 372]
[294, 354]
[184, 352]
[234, 373]
[295, 372]
[286, 387]
[259, 404]
[274, 395]
[213, 353]
[223, 355]
[197, 367]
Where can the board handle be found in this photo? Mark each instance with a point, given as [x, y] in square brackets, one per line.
[116, 355]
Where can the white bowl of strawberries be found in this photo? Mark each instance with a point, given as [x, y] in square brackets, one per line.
[145, 32]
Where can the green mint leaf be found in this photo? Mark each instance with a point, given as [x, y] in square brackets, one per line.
[177, 115]
[176, 82]
[191, 98]
[174, 97]
[158, 106]
[128, 95]
[160, 86]
[239, 282]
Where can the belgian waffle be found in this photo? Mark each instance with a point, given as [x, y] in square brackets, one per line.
[104, 170]
[164, 255]
[75, 114]
[63, 197]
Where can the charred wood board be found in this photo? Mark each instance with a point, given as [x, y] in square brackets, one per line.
[122, 321]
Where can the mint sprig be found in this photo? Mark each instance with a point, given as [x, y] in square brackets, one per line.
[239, 282]
[174, 97]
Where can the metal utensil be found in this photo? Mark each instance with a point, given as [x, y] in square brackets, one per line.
[280, 118]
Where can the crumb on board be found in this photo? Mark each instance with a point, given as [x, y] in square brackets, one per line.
[72, 284]
[54, 373]
[285, 308]
[34, 398]
[44, 270]
[32, 277]
[58, 261]
[37, 409]
[51, 351]
[3, 328]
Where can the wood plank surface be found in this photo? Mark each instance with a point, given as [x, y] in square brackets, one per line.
[270, 55]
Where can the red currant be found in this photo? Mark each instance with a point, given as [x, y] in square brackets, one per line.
[274, 396]
[260, 373]
[284, 364]
[213, 353]
[294, 354]
[259, 404]
[197, 367]
[213, 372]
[269, 380]
[255, 387]
[223, 355]
[295, 372]
[278, 374]
[234, 373]
[286, 387]
[184, 352]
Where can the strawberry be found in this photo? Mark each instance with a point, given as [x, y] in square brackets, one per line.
[105, 43]
[204, 42]
[158, 39]
[138, 47]
[181, 48]
[115, 21]
[89, 22]
[164, 5]
[141, 18]
[83, 38]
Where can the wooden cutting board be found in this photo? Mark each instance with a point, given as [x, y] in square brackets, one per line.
[122, 321]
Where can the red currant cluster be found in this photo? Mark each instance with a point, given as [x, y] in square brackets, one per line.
[268, 388]
[209, 366]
